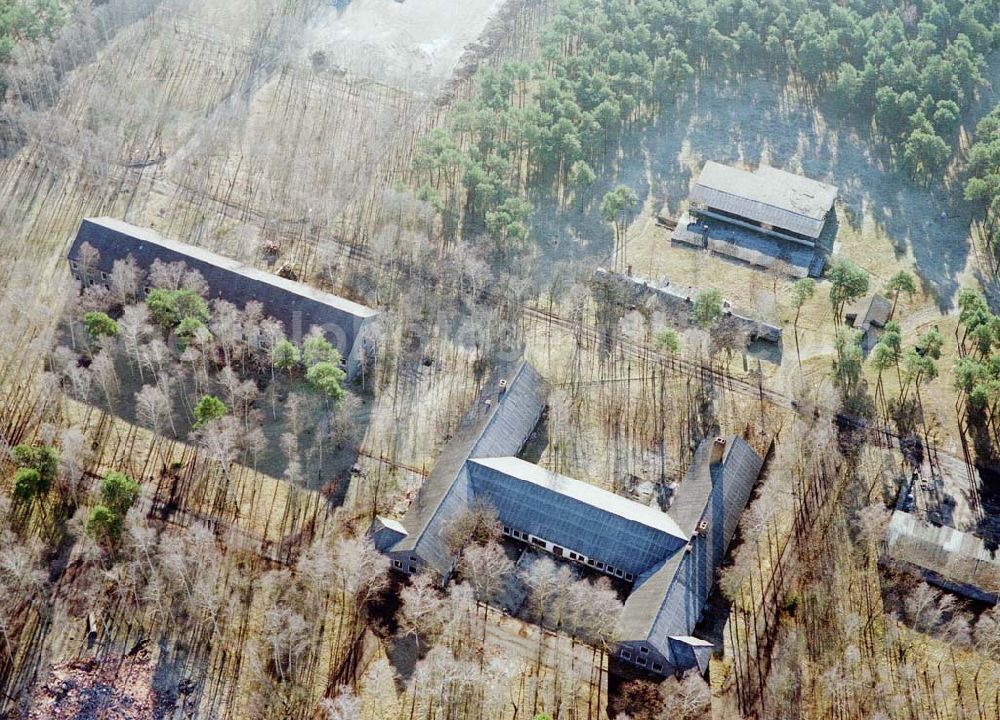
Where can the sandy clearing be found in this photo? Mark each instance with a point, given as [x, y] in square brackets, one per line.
[413, 45]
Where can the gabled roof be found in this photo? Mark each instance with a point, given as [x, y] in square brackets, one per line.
[669, 599]
[774, 197]
[687, 651]
[871, 311]
[500, 427]
[583, 493]
[386, 532]
[957, 557]
[575, 515]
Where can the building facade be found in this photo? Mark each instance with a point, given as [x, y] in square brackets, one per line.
[769, 201]
[298, 306]
[767, 218]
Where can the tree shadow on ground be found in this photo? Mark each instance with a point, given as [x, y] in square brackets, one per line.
[753, 120]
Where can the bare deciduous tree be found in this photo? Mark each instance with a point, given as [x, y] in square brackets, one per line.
[487, 568]
[95, 298]
[89, 260]
[344, 706]
[125, 280]
[686, 699]
[478, 523]
[423, 607]
[176, 276]
[154, 408]
[135, 330]
[74, 454]
[593, 610]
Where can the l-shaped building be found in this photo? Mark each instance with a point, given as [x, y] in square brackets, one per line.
[669, 557]
[298, 306]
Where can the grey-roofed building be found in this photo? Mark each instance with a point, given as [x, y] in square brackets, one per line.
[869, 312]
[770, 201]
[668, 600]
[298, 306]
[500, 424]
[958, 561]
[869, 315]
[671, 557]
[575, 519]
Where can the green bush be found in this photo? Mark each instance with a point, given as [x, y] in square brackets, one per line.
[169, 307]
[317, 349]
[119, 492]
[707, 309]
[28, 485]
[328, 379]
[99, 325]
[285, 355]
[104, 524]
[209, 408]
[41, 457]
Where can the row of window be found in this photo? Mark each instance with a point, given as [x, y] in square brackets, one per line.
[640, 659]
[596, 564]
[407, 568]
[76, 276]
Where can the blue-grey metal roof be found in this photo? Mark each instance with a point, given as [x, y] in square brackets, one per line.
[669, 599]
[687, 652]
[500, 427]
[575, 515]
[296, 305]
[774, 197]
[673, 555]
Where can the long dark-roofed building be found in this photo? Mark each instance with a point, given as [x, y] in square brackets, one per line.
[574, 519]
[499, 425]
[668, 600]
[669, 557]
[298, 306]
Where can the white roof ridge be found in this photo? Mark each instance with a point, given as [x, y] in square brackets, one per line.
[585, 492]
[233, 265]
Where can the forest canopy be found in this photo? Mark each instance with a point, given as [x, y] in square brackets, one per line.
[26, 20]
[984, 178]
[907, 71]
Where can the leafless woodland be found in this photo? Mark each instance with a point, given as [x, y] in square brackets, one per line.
[255, 597]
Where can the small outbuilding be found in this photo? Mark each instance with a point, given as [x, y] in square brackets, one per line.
[870, 312]
[869, 315]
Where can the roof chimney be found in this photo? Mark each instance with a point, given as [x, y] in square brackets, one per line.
[718, 450]
[503, 386]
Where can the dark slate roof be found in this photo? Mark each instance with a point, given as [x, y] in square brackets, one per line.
[872, 311]
[500, 427]
[575, 515]
[669, 599]
[687, 652]
[771, 196]
[286, 300]
[386, 532]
